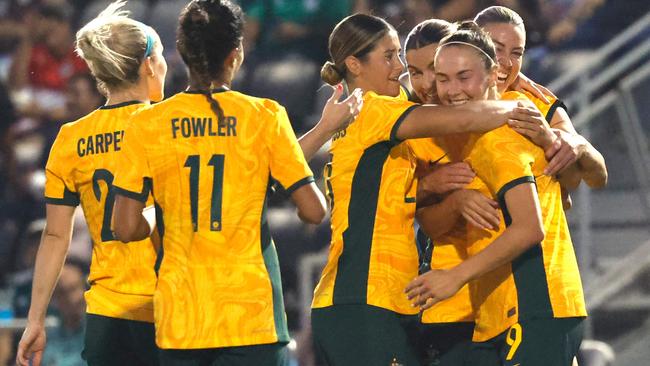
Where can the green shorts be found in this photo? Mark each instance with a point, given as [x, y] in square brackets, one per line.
[274, 354]
[444, 344]
[353, 335]
[112, 341]
[533, 342]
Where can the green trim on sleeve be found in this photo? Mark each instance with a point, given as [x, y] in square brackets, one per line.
[69, 199]
[141, 196]
[402, 117]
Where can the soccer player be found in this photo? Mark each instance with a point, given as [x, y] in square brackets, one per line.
[208, 155]
[526, 282]
[125, 57]
[446, 328]
[506, 28]
[359, 312]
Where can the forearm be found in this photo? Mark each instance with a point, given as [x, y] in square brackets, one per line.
[438, 219]
[49, 261]
[593, 167]
[313, 140]
[435, 120]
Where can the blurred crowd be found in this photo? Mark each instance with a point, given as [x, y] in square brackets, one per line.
[44, 84]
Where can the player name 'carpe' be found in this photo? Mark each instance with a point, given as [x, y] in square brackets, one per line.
[202, 126]
[99, 143]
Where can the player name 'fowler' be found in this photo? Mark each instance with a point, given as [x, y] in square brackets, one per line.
[99, 143]
[203, 126]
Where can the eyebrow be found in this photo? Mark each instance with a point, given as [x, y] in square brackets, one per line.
[503, 45]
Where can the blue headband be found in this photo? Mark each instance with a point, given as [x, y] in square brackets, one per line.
[147, 51]
[150, 40]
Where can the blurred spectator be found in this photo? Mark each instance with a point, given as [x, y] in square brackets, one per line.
[299, 25]
[22, 279]
[40, 69]
[65, 342]
[81, 98]
[450, 10]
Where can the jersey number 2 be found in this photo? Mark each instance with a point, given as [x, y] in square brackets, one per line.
[194, 163]
[105, 176]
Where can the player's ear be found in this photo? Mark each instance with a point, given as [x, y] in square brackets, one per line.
[353, 65]
[146, 68]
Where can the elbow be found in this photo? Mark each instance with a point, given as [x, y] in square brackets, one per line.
[535, 235]
[598, 182]
[123, 231]
[313, 215]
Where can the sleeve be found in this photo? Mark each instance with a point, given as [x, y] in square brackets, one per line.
[59, 185]
[502, 159]
[287, 161]
[132, 176]
[381, 117]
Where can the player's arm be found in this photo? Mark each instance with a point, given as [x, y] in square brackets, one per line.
[51, 255]
[525, 230]
[436, 120]
[336, 116]
[310, 203]
[468, 204]
[129, 222]
[589, 162]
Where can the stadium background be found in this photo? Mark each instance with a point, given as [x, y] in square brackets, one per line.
[594, 54]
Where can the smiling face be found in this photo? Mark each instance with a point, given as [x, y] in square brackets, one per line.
[509, 41]
[461, 75]
[380, 68]
[422, 76]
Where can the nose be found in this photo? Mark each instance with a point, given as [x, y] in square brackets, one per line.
[428, 80]
[399, 65]
[504, 61]
[453, 88]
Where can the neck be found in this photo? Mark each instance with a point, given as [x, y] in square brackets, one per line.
[195, 83]
[137, 92]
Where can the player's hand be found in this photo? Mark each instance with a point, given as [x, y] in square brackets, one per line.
[533, 125]
[479, 210]
[338, 115]
[447, 177]
[432, 287]
[523, 83]
[564, 152]
[31, 346]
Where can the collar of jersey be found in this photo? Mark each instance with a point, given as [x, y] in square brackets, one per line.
[215, 90]
[119, 105]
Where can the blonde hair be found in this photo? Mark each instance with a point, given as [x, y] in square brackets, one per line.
[114, 46]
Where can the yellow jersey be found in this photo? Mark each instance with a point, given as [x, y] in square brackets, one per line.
[80, 170]
[219, 278]
[369, 179]
[544, 281]
[448, 251]
[547, 109]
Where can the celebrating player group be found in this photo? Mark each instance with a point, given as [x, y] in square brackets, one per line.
[463, 147]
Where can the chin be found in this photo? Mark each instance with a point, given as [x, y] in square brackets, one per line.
[393, 91]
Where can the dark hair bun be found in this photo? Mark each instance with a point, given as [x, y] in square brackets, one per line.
[330, 74]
